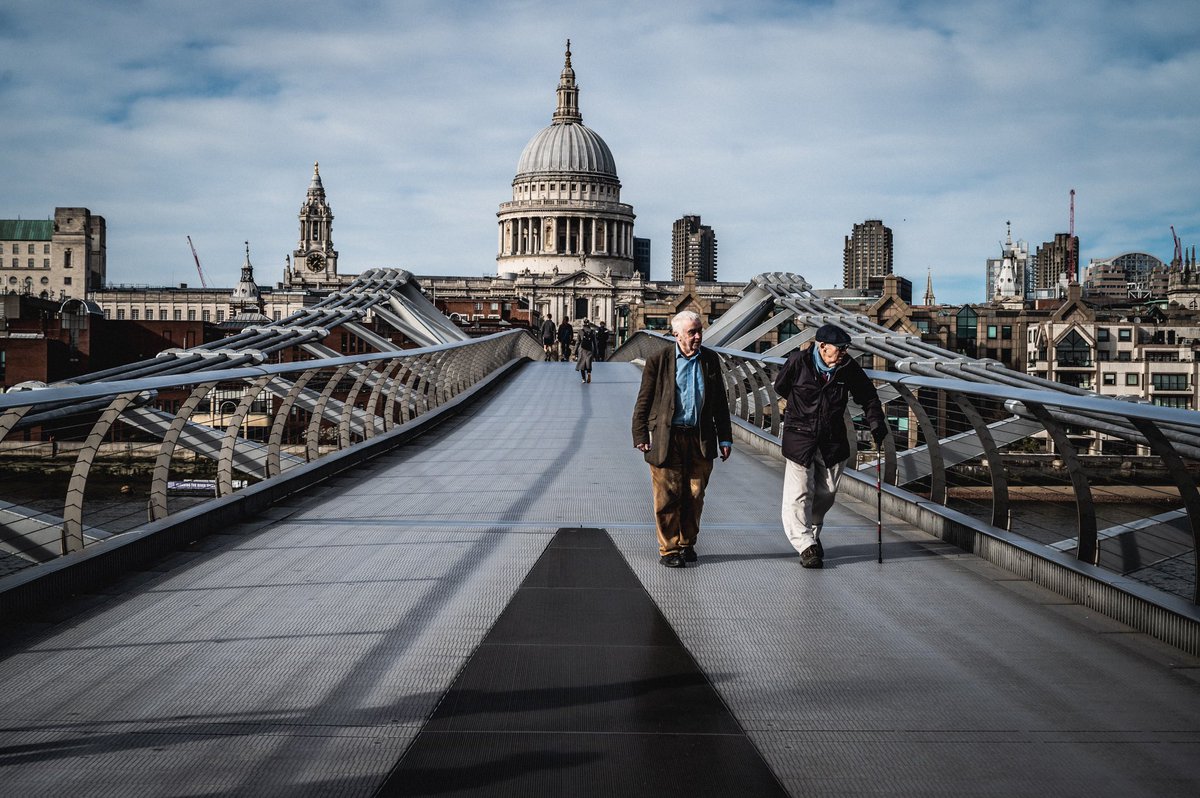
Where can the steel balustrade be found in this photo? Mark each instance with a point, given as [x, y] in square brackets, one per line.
[407, 383]
[1169, 435]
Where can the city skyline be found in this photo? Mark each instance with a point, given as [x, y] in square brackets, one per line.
[782, 124]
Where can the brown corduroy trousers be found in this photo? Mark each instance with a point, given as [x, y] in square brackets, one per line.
[678, 487]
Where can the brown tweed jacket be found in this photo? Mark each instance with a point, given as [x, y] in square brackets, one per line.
[656, 405]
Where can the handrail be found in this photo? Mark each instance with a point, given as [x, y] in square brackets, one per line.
[988, 427]
[71, 393]
[310, 409]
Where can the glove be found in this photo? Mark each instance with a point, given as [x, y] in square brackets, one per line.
[879, 435]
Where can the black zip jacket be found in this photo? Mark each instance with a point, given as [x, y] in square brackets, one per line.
[816, 408]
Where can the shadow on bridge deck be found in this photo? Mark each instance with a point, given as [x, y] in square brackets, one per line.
[303, 653]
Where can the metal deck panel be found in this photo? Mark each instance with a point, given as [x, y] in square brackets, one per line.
[298, 657]
[932, 674]
[565, 698]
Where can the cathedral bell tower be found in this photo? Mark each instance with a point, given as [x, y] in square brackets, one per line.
[314, 261]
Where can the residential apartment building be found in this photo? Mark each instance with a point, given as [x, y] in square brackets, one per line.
[693, 249]
[867, 253]
[1057, 264]
[1148, 359]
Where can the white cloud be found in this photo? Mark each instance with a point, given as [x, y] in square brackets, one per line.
[781, 123]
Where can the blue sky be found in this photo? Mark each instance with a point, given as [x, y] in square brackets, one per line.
[781, 123]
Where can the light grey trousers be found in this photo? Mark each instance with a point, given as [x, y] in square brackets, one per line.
[808, 493]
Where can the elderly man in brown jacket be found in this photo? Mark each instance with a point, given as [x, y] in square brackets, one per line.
[681, 423]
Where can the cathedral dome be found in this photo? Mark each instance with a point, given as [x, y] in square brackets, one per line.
[566, 213]
[566, 147]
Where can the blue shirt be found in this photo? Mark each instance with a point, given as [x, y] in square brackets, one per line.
[689, 389]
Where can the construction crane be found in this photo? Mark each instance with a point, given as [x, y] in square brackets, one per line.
[1072, 256]
[1177, 259]
[195, 257]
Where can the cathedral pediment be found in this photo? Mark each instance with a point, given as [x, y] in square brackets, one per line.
[581, 279]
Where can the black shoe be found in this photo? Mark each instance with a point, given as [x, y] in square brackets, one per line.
[673, 560]
[820, 549]
[809, 558]
[689, 554]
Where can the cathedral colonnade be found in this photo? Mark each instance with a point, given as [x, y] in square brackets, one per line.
[565, 235]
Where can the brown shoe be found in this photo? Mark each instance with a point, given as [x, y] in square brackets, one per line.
[809, 558]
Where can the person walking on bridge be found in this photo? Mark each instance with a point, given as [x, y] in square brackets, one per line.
[817, 383]
[584, 352]
[681, 423]
[566, 333]
[601, 335]
[549, 334]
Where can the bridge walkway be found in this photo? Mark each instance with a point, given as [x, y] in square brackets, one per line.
[302, 653]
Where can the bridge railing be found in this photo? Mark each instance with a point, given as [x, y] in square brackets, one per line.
[82, 463]
[1108, 482]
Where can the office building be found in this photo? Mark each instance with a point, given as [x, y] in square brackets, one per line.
[1133, 276]
[641, 257]
[57, 259]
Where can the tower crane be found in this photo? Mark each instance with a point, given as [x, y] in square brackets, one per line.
[1177, 259]
[195, 257]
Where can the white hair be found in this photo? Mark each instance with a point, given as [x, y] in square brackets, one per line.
[683, 318]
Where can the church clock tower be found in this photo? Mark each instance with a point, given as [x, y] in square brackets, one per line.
[314, 261]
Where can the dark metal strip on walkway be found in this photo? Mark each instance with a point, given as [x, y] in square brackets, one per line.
[583, 689]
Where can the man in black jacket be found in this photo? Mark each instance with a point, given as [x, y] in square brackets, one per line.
[601, 334]
[566, 334]
[817, 383]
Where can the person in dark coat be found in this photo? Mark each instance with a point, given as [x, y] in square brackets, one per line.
[566, 333]
[601, 335]
[681, 424]
[817, 383]
[549, 335]
[584, 352]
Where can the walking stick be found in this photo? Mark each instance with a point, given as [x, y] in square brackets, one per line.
[879, 498]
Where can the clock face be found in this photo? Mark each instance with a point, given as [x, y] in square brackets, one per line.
[315, 263]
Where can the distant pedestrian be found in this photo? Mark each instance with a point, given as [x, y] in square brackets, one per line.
[549, 335]
[566, 334]
[817, 382]
[585, 350]
[601, 335]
